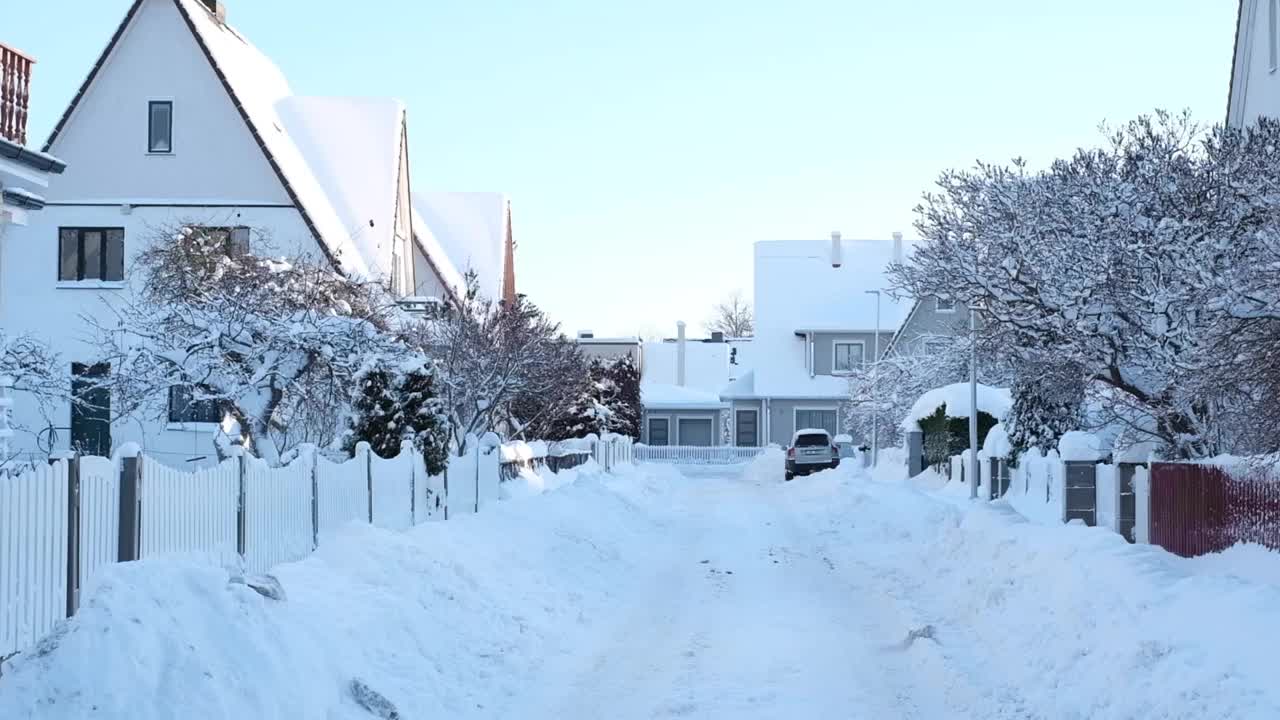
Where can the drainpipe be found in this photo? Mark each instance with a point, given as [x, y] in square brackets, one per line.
[808, 353]
[680, 350]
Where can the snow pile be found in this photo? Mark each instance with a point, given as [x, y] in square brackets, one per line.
[996, 444]
[767, 467]
[1077, 446]
[991, 400]
[450, 619]
[536, 481]
[521, 451]
[1038, 488]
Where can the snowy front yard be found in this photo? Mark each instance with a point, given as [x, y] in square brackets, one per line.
[651, 594]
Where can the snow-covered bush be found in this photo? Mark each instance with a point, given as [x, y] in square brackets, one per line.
[262, 340]
[393, 401]
[1047, 402]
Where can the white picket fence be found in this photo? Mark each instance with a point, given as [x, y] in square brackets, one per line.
[690, 455]
[239, 513]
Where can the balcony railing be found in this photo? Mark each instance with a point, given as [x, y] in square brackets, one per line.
[15, 94]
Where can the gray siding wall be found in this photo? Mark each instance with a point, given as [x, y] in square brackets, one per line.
[748, 405]
[824, 347]
[782, 417]
[927, 322]
[717, 437]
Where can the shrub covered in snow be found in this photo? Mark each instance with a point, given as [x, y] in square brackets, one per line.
[1047, 402]
[397, 401]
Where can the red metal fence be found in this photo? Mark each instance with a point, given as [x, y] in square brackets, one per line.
[1198, 509]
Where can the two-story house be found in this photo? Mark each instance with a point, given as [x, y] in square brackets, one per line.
[821, 312]
[1255, 65]
[181, 121]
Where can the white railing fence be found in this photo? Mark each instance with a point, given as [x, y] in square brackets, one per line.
[61, 523]
[690, 455]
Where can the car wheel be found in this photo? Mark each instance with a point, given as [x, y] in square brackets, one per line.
[790, 476]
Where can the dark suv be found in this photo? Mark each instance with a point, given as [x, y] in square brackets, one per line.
[811, 450]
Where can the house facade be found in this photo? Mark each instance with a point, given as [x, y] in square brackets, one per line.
[681, 383]
[1255, 66]
[818, 317]
[182, 122]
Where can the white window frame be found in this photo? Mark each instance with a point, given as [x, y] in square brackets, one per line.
[795, 418]
[836, 344]
[754, 411]
[711, 418]
[664, 418]
[938, 308]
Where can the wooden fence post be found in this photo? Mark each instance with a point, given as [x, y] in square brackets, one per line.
[73, 535]
[242, 525]
[315, 498]
[129, 545]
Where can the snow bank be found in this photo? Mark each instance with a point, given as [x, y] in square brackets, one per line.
[448, 620]
[1037, 489]
[1078, 446]
[1064, 621]
[767, 467]
[991, 400]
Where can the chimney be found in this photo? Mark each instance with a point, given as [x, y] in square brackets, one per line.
[680, 350]
[717, 337]
[836, 260]
[217, 8]
[897, 247]
[585, 334]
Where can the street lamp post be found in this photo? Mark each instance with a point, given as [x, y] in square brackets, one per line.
[974, 471]
[875, 386]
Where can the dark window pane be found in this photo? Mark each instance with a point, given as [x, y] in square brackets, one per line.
[161, 140]
[240, 241]
[115, 255]
[658, 432]
[184, 408]
[68, 254]
[92, 259]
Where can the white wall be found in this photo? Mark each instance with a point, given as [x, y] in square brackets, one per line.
[34, 302]
[1255, 85]
[215, 157]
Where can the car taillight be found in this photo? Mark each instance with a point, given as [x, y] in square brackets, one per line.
[791, 452]
[835, 451]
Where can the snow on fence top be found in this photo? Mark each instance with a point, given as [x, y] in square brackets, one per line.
[997, 443]
[1081, 446]
[991, 400]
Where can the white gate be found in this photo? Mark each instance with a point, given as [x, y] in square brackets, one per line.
[691, 455]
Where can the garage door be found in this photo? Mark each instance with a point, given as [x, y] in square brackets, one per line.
[697, 432]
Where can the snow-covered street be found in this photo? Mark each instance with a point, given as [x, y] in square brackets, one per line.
[657, 594]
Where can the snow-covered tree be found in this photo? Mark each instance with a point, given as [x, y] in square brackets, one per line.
[554, 411]
[1048, 400]
[253, 335]
[623, 397]
[394, 400]
[1147, 262]
[490, 354]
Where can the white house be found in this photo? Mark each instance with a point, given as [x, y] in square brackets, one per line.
[1255, 66]
[181, 121]
[818, 307]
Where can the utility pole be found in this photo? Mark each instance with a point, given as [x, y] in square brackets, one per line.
[974, 475]
[875, 387]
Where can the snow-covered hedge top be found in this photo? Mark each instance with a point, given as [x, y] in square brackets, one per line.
[991, 400]
[520, 451]
[1080, 446]
[997, 443]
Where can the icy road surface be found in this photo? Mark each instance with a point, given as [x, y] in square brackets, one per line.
[655, 594]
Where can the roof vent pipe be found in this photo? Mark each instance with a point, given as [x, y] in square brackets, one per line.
[680, 349]
[897, 248]
[836, 259]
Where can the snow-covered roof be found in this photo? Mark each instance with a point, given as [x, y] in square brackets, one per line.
[797, 288]
[663, 396]
[437, 256]
[262, 91]
[742, 388]
[991, 400]
[471, 228]
[706, 364]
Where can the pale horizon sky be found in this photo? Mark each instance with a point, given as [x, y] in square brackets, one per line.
[645, 147]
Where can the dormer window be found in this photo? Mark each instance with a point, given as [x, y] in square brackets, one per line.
[160, 127]
[945, 306]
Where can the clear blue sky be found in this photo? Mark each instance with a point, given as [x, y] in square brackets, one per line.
[646, 145]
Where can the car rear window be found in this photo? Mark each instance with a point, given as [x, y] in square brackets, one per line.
[812, 440]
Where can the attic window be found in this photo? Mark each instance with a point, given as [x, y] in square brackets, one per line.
[234, 239]
[160, 127]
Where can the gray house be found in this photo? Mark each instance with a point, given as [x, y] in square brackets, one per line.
[930, 323]
[820, 315]
[681, 383]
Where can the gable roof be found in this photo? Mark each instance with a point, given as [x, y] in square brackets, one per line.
[470, 228]
[301, 151]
